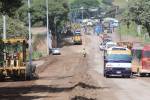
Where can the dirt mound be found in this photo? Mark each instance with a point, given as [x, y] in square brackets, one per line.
[81, 98]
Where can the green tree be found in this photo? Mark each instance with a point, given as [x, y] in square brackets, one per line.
[85, 3]
[108, 2]
[38, 12]
[8, 7]
[58, 14]
[58, 11]
[14, 26]
[139, 10]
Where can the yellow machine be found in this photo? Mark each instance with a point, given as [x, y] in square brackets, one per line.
[77, 39]
[13, 59]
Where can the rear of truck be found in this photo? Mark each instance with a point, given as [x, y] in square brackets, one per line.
[145, 61]
[77, 38]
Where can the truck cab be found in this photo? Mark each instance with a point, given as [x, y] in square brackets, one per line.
[118, 63]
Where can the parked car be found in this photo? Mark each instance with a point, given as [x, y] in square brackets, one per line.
[55, 51]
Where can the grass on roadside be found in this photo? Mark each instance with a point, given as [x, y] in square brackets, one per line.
[125, 31]
[35, 55]
[132, 31]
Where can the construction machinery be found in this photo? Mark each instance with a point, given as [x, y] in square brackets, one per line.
[77, 39]
[13, 63]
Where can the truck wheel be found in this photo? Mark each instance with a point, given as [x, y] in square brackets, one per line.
[104, 75]
[107, 76]
[2, 78]
[28, 74]
[128, 76]
[15, 77]
[142, 74]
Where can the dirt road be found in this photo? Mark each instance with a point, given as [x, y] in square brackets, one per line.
[70, 76]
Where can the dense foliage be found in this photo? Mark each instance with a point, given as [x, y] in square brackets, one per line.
[58, 12]
[8, 7]
[86, 6]
[139, 12]
[85, 3]
[18, 9]
[14, 27]
[108, 2]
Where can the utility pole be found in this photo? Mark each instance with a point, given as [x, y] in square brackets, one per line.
[4, 27]
[49, 42]
[120, 30]
[82, 14]
[30, 38]
[128, 23]
[116, 10]
[81, 10]
[4, 33]
[75, 15]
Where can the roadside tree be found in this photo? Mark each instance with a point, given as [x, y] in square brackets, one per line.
[139, 10]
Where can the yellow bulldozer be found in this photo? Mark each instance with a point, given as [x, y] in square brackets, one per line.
[13, 63]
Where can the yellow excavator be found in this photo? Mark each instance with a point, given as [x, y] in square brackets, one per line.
[13, 63]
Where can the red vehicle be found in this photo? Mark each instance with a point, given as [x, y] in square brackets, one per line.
[141, 60]
[145, 69]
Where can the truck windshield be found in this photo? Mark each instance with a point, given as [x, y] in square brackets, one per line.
[118, 57]
[146, 54]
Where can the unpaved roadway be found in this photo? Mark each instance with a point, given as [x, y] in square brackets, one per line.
[70, 76]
